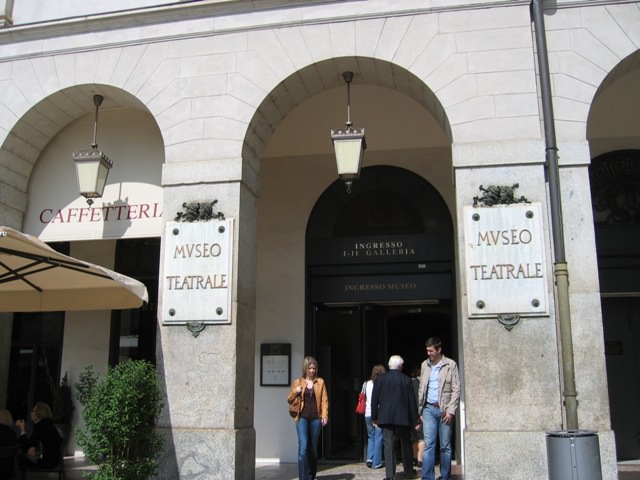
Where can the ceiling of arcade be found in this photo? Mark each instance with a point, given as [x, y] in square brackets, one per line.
[387, 100]
[395, 107]
[33, 132]
[613, 118]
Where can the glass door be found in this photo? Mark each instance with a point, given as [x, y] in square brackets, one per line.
[622, 350]
[349, 340]
[34, 365]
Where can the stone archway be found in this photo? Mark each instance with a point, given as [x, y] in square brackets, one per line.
[38, 126]
[290, 144]
[325, 76]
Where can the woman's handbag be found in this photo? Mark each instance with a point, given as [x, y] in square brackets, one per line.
[361, 407]
[295, 406]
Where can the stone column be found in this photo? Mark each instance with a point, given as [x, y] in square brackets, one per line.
[511, 379]
[208, 379]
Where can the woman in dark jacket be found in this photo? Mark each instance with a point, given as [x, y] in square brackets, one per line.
[8, 438]
[42, 448]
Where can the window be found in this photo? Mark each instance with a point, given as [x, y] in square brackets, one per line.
[133, 332]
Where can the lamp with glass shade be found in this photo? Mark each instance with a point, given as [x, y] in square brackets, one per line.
[349, 143]
[92, 166]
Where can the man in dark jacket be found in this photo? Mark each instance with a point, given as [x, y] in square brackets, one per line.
[394, 408]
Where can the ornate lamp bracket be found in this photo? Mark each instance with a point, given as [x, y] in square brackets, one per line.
[508, 320]
[195, 328]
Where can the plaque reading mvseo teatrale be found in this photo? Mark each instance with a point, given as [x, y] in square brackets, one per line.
[197, 272]
[505, 260]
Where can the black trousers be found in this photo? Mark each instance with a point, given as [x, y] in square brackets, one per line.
[391, 433]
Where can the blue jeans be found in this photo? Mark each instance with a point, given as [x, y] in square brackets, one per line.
[308, 430]
[433, 427]
[374, 443]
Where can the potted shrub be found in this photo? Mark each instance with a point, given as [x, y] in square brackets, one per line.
[62, 408]
[121, 412]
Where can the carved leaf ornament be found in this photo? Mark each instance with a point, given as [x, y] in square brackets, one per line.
[197, 211]
[498, 195]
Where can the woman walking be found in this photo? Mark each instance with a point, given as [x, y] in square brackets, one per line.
[374, 433]
[314, 414]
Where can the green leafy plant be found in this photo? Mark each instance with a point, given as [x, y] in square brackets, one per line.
[86, 384]
[121, 412]
[62, 401]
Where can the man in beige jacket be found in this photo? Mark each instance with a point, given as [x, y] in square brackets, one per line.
[438, 400]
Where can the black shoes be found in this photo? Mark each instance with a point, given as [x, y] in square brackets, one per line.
[407, 474]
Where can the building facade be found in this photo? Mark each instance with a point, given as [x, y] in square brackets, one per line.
[231, 103]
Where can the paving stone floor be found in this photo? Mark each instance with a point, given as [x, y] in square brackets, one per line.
[328, 471]
[76, 466]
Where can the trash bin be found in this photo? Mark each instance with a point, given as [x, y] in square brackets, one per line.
[573, 455]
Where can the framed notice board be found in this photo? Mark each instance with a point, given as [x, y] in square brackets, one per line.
[275, 364]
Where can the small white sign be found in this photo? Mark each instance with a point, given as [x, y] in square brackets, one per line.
[505, 260]
[275, 370]
[197, 272]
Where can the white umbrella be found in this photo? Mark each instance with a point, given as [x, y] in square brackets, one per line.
[36, 278]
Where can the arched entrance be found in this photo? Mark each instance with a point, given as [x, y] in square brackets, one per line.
[615, 186]
[297, 168]
[614, 139]
[120, 230]
[379, 276]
